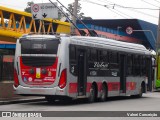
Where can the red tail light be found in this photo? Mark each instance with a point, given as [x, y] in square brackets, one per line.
[16, 81]
[63, 79]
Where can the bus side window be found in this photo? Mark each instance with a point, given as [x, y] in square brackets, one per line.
[72, 59]
[140, 65]
[72, 54]
[133, 65]
[103, 56]
[130, 64]
[93, 55]
[113, 57]
[136, 65]
[143, 66]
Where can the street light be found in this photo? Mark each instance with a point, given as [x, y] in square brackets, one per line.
[129, 30]
[146, 31]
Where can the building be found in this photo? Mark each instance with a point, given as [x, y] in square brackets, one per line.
[143, 32]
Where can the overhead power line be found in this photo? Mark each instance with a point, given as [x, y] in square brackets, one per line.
[150, 3]
[123, 13]
[117, 13]
[113, 6]
[135, 7]
[137, 11]
[157, 1]
[109, 7]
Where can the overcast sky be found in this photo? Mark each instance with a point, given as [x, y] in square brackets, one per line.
[96, 9]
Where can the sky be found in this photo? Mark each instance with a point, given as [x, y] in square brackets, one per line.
[147, 10]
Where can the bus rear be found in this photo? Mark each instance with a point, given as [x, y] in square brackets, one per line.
[35, 66]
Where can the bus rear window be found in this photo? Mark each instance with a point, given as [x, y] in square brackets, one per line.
[37, 46]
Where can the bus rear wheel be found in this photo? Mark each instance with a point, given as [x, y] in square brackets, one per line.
[92, 96]
[140, 92]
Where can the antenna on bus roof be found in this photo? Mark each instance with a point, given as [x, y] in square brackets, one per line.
[91, 32]
[82, 32]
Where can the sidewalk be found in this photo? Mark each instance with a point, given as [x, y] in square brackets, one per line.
[7, 95]
[21, 100]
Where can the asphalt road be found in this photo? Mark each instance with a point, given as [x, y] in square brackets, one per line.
[149, 102]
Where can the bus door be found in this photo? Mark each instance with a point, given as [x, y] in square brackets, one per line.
[149, 73]
[123, 73]
[82, 73]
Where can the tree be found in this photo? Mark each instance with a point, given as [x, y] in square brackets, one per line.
[28, 8]
[60, 14]
[80, 14]
[87, 18]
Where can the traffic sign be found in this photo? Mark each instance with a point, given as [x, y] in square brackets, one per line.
[129, 30]
[35, 8]
[44, 10]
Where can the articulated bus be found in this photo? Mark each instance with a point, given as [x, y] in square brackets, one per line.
[59, 67]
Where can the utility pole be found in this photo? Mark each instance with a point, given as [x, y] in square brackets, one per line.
[158, 35]
[157, 70]
[73, 16]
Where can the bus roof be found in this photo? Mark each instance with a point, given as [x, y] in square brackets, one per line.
[98, 42]
[109, 44]
[35, 36]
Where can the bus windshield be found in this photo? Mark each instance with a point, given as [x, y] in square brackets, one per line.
[39, 46]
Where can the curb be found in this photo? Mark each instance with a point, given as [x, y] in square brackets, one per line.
[21, 101]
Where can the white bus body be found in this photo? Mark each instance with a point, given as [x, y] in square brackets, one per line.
[76, 66]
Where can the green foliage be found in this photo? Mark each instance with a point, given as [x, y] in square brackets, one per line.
[28, 8]
[80, 15]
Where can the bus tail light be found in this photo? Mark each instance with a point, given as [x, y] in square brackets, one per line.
[63, 79]
[16, 81]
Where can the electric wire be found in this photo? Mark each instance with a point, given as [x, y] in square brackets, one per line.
[129, 8]
[149, 3]
[117, 13]
[92, 33]
[108, 7]
[157, 1]
[123, 13]
[111, 4]
[135, 9]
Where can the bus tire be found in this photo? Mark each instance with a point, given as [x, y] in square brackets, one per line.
[103, 93]
[92, 96]
[140, 92]
[50, 99]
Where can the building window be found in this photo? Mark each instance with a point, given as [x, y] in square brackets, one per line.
[8, 67]
[6, 64]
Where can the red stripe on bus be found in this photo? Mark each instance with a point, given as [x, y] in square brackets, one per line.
[112, 86]
[99, 84]
[88, 87]
[131, 85]
[72, 87]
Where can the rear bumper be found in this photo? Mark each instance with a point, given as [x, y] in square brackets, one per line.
[21, 90]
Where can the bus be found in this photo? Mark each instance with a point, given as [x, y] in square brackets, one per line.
[61, 66]
[157, 78]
